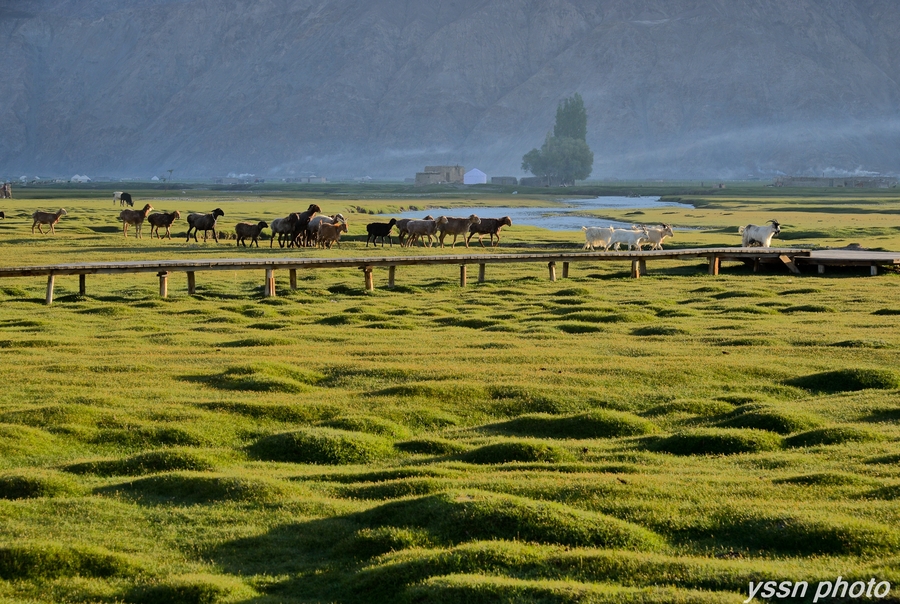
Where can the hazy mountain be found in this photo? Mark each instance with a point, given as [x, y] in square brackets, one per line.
[672, 88]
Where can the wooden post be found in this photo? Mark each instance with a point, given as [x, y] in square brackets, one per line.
[821, 269]
[50, 279]
[642, 265]
[756, 265]
[565, 270]
[293, 274]
[392, 273]
[192, 283]
[370, 282]
[82, 284]
[552, 267]
[873, 270]
[163, 284]
[462, 275]
[270, 283]
[635, 269]
[481, 268]
[714, 265]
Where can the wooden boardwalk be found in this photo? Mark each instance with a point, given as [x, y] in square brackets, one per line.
[163, 268]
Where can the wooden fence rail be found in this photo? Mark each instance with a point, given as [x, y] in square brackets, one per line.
[163, 268]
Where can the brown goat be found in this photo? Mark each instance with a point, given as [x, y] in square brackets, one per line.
[162, 219]
[46, 218]
[135, 217]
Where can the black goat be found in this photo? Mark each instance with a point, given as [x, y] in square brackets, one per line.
[298, 226]
[380, 229]
[207, 222]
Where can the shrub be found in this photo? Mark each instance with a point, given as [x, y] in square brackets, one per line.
[322, 446]
[717, 441]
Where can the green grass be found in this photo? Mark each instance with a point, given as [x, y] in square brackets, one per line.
[596, 439]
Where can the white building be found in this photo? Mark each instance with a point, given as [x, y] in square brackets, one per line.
[78, 178]
[475, 177]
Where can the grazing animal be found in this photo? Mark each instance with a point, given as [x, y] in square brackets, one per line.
[245, 230]
[416, 229]
[283, 227]
[402, 233]
[2, 215]
[457, 227]
[753, 235]
[488, 226]
[329, 234]
[125, 199]
[135, 217]
[205, 223]
[162, 219]
[656, 235]
[298, 232]
[597, 236]
[312, 229]
[117, 196]
[6, 190]
[380, 229]
[631, 237]
[46, 218]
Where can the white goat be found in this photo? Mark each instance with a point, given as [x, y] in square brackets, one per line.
[656, 235]
[759, 235]
[631, 237]
[597, 236]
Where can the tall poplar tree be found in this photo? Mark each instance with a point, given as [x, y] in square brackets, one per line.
[565, 156]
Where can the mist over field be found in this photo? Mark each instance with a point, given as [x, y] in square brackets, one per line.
[282, 88]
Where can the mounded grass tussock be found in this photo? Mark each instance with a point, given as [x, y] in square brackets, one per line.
[322, 446]
[577, 327]
[847, 380]
[26, 560]
[368, 424]
[797, 534]
[812, 308]
[599, 423]
[183, 488]
[861, 344]
[430, 446]
[191, 589]
[151, 462]
[659, 330]
[25, 441]
[258, 341]
[457, 516]
[717, 441]
[764, 417]
[833, 435]
[370, 542]
[827, 479]
[299, 413]
[888, 493]
[516, 451]
[147, 437]
[266, 377]
[37, 483]
[691, 406]
[481, 589]
[887, 312]
[394, 489]
[459, 393]
[51, 415]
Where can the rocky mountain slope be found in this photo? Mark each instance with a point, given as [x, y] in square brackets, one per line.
[673, 88]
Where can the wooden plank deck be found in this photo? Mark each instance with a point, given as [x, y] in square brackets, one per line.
[191, 266]
[823, 258]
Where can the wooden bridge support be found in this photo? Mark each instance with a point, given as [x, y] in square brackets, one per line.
[82, 284]
[50, 280]
[565, 270]
[552, 267]
[392, 275]
[714, 264]
[192, 283]
[293, 278]
[462, 275]
[270, 283]
[481, 269]
[370, 282]
[163, 284]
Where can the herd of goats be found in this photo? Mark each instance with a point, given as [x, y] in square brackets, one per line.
[311, 228]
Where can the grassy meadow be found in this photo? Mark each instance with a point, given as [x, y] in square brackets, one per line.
[597, 439]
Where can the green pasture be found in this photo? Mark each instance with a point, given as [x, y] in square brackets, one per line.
[597, 439]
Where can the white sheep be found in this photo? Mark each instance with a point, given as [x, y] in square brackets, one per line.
[597, 236]
[631, 237]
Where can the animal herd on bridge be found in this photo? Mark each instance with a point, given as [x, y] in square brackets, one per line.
[311, 228]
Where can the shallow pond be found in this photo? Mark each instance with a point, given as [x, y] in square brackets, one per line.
[569, 217]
